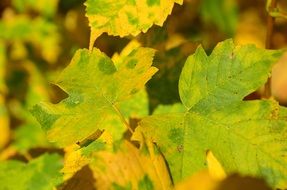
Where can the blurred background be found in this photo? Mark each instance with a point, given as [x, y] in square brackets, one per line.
[39, 37]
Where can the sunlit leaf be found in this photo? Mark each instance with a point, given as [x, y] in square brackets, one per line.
[122, 166]
[125, 17]
[248, 137]
[95, 87]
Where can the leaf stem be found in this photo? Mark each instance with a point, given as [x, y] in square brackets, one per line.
[28, 156]
[91, 43]
[123, 119]
[271, 5]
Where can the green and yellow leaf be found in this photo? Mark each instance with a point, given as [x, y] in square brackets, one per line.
[122, 166]
[97, 92]
[126, 17]
[248, 137]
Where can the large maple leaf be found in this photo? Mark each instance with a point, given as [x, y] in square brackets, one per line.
[248, 137]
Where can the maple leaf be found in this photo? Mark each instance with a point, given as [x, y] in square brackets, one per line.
[125, 17]
[97, 89]
[248, 137]
[121, 166]
[40, 173]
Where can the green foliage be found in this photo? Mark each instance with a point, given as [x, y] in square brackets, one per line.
[223, 14]
[45, 7]
[98, 114]
[41, 173]
[36, 31]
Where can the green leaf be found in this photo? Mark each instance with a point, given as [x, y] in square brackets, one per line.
[125, 17]
[96, 88]
[42, 173]
[248, 137]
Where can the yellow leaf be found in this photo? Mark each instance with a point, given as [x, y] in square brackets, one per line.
[214, 167]
[200, 181]
[125, 17]
[122, 166]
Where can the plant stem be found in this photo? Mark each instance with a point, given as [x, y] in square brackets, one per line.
[268, 44]
[123, 119]
[28, 156]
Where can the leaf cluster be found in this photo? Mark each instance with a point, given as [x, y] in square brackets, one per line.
[104, 125]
